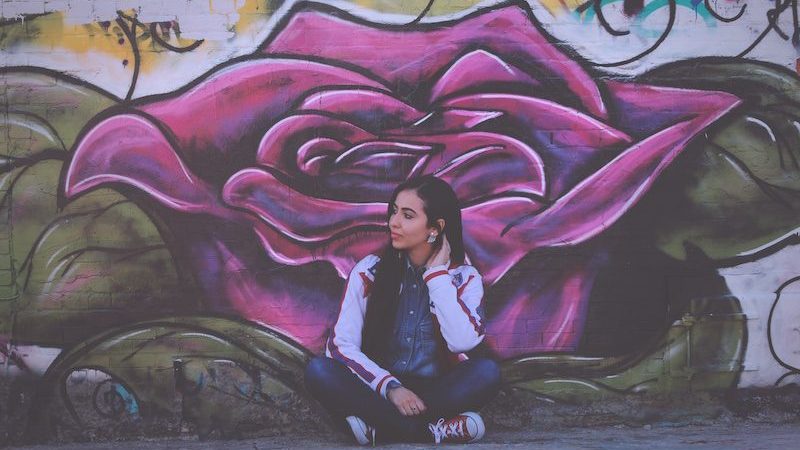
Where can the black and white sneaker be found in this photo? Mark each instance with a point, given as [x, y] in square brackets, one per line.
[363, 433]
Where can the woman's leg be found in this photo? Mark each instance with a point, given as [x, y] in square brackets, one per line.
[467, 387]
[343, 394]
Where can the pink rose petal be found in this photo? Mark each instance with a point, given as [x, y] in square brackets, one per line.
[545, 313]
[215, 117]
[129, 149]
[296, 215]
[599, 200]
[570, 140]
[410, 56]
[466, 158]
[483, 223]
[283, 137]
[447, 121]
[493, 72]
[371, 110]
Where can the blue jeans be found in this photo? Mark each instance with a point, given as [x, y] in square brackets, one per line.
[466, 387]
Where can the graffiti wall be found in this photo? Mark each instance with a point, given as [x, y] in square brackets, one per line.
[184, 189]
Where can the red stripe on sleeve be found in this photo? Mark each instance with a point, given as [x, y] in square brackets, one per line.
[367, 283]
[334, 349]
[478, 327]
[435, 274]
[380, 383]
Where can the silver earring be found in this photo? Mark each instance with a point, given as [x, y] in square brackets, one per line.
[431, 238]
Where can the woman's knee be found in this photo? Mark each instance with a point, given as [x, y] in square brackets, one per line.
[488, 370]
[318, 371]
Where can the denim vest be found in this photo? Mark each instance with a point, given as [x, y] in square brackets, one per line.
[412, 350]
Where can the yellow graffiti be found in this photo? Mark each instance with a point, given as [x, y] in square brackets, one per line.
[558, 6]
[69, 42]
[53, 33]
[58, 34]
[415, 7]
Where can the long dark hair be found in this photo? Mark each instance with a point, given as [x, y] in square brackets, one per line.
[439, 202]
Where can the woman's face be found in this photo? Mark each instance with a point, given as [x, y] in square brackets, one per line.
[408, 224]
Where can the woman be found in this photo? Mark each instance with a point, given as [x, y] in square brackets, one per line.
[403, 360]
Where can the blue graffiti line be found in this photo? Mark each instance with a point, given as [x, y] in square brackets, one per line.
[130, 401]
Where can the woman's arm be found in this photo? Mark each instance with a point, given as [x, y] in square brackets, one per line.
[344, 343]
[457, 309]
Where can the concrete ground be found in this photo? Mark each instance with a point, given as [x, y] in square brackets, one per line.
[742, 435]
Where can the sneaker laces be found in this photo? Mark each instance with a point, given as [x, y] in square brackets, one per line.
[452, 430]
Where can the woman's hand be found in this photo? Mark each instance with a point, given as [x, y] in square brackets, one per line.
[406, 401]
[441, 256]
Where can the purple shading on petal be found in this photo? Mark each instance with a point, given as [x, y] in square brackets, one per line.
[316, 154]
[298, 229]
[569, 141]
[287, 301]
[131, 150]
[342, 252]
[546, 311]
[599, 200]
[392, 161]
[222, 113]
[370, 110]
[483, 224]
[642, 110]
[294, 214]
[447, 121]
[409, 57]
[279, 145]
[477, 69]
[466, 158]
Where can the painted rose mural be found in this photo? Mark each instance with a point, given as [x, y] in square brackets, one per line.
[193, 245]
[301, 145]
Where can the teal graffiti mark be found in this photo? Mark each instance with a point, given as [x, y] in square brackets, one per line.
[638, 22]
[131, 406]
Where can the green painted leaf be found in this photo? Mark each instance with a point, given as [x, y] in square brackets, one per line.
[736, 189]
[701, 352]
[49, 98]
[221, 376]
[27, 203]
[72, 272]
[43, 113]
[24, 136]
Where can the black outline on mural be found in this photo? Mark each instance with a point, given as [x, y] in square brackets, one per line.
[130, 33]
[137, 58]
[41, 122]
[673, 12]
[156, 37]
[61, 76]
[61, 366]
[423, 13]
[711, 10]
[792, 370]
[773, 15]
[597, 6]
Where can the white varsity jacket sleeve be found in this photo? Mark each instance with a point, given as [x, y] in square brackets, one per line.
[457, 308]
[344, 343]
